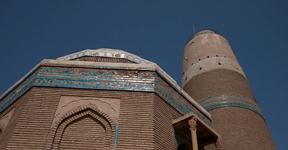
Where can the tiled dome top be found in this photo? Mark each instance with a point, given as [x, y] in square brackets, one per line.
[106, 52]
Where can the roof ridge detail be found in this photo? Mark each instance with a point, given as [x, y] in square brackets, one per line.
[106, 52]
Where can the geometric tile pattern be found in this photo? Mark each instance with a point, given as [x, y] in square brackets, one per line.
[103, 79]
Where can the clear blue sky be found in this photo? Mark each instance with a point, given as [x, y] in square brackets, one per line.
[155, 30]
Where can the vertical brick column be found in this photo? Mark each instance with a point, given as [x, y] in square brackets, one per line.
[214, 78]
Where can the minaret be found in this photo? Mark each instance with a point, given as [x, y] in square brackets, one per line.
[214, 78]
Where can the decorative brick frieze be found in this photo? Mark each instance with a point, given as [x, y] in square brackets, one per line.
[104, 79]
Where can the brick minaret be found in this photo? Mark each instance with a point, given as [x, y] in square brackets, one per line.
[214, 78]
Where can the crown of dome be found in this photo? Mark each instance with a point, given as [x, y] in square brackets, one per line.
[100, 55]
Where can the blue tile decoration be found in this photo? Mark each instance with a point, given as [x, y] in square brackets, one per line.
[116, 135]
[103, 79]
[172, 97]
[95, 79]
[230, 101]
[10, 98]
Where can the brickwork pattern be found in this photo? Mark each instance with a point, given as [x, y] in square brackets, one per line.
[219, 82]
[164, 135]
[58, 129]
[225, 92]
[84, 134]
[135, 123]
[208, 64]
[204, 46]
[237, 126]
[7, 132]
[31, 123]
[248, 129]
[145, 122]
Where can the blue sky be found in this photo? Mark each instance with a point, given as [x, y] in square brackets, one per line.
[158, 31]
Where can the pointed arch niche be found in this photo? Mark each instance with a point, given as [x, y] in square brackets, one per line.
[84, 123]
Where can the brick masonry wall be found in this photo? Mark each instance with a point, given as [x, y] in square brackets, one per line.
[240, 128]
[217, 83]
[33, 119]
[84, 134]
[164, 136]
[34, 112]
[204, 46]
[7, 132]
[135, 121]
[145, 121]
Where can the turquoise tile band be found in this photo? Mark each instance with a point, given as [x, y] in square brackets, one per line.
[103, 79]
[230, 101]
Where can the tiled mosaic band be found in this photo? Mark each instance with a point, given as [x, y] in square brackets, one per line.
[229, 101]
[103, 79]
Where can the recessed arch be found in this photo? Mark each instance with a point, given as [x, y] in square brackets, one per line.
[103, 128]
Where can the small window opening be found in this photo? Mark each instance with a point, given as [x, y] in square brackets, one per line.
[219, 63]
[208, 56]
[200, 68]
[216, 55]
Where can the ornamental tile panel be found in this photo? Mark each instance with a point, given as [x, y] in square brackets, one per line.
[103, 79]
